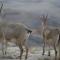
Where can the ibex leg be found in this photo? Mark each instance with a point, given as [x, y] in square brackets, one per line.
[26, 53]
[49, 50]
[55, 50]
[43, 48]
[3, 48]
[21, 51]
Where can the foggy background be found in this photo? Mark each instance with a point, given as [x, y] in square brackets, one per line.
[28, 12]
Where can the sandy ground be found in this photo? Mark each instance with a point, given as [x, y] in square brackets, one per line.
[34, 54]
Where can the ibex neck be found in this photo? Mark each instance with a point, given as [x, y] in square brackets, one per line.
[44, 27]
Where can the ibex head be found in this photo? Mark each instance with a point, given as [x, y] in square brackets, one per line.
[29, 31]
[44, 21]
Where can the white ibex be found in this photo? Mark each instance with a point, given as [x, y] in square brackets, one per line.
[50, 36]
[20, 33]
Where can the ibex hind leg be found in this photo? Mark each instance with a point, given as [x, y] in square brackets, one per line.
[6, 48]
[21, 51]
[26, 56]
[48, 53]
[55, 50]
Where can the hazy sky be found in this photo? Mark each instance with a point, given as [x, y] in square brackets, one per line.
[49, 6]
[36, 7]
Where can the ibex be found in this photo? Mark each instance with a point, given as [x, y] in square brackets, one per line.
[19, 33]
[50, 36]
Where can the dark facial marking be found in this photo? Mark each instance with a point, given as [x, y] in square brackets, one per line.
[29, 31]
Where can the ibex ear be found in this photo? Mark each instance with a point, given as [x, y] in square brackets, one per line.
[42, 17]
[28, 30]
[46, 17]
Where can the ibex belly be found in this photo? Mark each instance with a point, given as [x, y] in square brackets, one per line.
[50, 39]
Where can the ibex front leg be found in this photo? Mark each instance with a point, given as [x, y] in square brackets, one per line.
[49, 50]
[3, 48]
[43, 48]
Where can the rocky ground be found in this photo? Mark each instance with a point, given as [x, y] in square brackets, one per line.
[35, 53]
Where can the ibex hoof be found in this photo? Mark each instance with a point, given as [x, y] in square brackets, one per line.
[42, 53]
[49, 54]
[26, 58]
[5, 52]
[56, 53]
